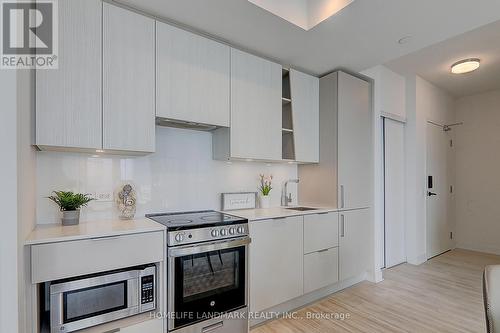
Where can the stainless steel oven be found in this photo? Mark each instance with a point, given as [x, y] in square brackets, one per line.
[206, 281]
[91, 300]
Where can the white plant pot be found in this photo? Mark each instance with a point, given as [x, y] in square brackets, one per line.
[265, 201]
[71, 217]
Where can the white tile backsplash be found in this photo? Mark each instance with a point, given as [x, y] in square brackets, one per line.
[180, 176]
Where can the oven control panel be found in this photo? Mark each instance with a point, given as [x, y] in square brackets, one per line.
[207, 234]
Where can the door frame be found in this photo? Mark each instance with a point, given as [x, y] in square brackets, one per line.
[449, 246]
[384, 207]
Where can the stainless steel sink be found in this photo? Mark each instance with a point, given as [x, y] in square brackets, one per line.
[301, 209]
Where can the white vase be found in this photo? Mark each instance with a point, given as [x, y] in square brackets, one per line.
[265, 201]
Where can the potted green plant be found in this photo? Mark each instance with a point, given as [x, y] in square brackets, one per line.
[70, 203]
[265, 188]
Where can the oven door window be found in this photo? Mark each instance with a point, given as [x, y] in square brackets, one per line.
[209, 283]
[90, 302]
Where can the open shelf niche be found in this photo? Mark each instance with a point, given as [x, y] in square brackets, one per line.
[288, 140]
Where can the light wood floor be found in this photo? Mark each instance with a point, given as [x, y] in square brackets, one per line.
[442, 295]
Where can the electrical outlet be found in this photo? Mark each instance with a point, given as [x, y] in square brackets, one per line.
[103, 196]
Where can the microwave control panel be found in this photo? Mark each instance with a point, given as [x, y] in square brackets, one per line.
[147, 289]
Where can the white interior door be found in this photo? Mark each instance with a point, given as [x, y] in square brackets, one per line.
[438, 191]
[394, 187]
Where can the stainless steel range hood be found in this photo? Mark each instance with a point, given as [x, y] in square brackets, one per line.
[185, 124]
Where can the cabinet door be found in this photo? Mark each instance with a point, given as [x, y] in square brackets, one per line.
[305, 110]
[321, 269]
[192, 77]
[276, 262]
[321, 232]
[354, 142]
[129, 81]
[150, 326]
[68, 100]
[355, 243]
[255, 107]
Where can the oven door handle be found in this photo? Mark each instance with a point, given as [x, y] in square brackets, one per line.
[196, 249]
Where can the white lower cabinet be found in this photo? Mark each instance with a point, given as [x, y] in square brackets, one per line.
[150, 326]
[321, 269]
[294, 256]
[355, 243]
[321, 232]
[276, 262]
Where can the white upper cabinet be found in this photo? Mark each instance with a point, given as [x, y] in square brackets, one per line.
[68, 100]
[343, 178]
[305, 111]
[128, 81]
[355, 158]
[255, 107]
[193, 79]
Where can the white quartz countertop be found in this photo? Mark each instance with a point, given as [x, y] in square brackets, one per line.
[51, 233]
[277, 212]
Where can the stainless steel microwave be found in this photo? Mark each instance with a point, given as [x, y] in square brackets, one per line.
[92, 300]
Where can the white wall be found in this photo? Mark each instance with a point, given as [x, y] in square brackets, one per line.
[477, 173]
[8, 203]
[180, 176]
[389, 97]
[424, 102]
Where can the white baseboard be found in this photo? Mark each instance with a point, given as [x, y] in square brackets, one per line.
[478, 248]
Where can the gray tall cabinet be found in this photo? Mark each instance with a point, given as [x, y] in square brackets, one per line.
[344, 176]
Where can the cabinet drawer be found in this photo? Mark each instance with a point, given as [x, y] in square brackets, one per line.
[74, 258]
[150, 326]
[321, 231]
[321, 269]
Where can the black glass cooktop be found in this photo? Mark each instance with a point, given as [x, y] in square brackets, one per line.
[192, 220]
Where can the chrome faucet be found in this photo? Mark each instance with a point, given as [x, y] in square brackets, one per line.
[286, 197]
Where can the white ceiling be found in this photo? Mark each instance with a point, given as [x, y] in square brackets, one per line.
[362, 35]
[433, 63]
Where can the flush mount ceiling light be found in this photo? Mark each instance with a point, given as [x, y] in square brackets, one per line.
[303, 13]
[465, 66]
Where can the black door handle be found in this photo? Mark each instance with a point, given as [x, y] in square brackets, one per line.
[430, 194]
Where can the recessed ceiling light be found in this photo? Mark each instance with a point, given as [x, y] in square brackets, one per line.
[465, 66]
